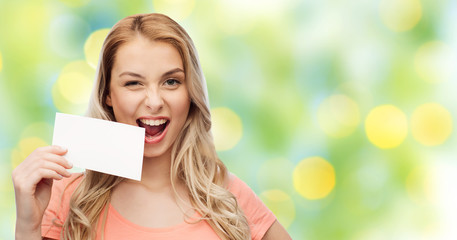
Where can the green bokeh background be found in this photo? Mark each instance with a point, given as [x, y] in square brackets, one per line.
[272, 63]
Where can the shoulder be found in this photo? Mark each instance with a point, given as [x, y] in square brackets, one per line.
[259, 217]
[235, 185]
[244, 195]
[240, 189]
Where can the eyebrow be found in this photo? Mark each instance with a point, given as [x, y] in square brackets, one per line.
[132, 74]
[172, 72]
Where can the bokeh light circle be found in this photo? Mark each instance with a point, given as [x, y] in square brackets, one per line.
[24, 148]
[338, 116]
[226, 127]
[72, 90]
[386, 126]
[435, 62]
[93, 46]
[75, 87]
[176, 9]
[314, 178]
[281, 204]
[431, 124]
[400, 15]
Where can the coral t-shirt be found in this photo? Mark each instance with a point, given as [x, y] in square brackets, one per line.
[259, 217]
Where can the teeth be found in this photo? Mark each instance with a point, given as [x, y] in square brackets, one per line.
[151, 122]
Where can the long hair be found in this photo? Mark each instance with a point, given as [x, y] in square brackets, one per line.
[194, 160]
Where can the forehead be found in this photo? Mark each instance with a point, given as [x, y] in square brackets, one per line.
[144, 55]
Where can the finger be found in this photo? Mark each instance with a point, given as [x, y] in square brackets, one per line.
[45, 174]
[27, 183]
[59, 150]
[55, 167]
[58, 159]
[49, 161]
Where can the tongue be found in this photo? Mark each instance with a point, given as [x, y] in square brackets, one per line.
[153, 130]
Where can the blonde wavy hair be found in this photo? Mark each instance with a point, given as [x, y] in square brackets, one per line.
[194, 159]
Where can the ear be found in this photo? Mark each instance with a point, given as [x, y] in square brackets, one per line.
[108, 100]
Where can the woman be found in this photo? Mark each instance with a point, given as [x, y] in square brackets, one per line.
[149, 76]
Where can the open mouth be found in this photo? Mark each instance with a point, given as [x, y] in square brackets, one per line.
[154, 128]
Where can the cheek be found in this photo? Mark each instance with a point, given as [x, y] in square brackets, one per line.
[124, 106]
[181, 106]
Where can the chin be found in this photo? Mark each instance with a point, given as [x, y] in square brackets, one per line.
[156, 152]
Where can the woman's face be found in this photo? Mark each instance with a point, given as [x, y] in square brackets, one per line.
[148, 89]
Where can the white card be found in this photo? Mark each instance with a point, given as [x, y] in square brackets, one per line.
[104, 146]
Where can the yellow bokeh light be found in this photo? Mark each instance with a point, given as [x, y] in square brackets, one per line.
[314, 178]
[63, 105]
[227, 128]
[93, 46]
[435, 62]
[386, 126]
[281, 204]
[400, 15]
[73, 87]
[75, 3]
[176, 9]
[24, 148]
[338, 116]
[1, 63]
[431, 124]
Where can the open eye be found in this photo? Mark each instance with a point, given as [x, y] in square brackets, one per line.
[172, 82]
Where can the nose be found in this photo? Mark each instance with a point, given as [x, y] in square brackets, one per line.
[153, 100]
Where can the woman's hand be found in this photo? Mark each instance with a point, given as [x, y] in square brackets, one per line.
[32, 181]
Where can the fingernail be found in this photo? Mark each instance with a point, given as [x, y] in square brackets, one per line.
[70, 163]
[62, 148]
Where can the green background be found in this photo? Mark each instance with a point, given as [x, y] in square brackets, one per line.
[274, 66]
